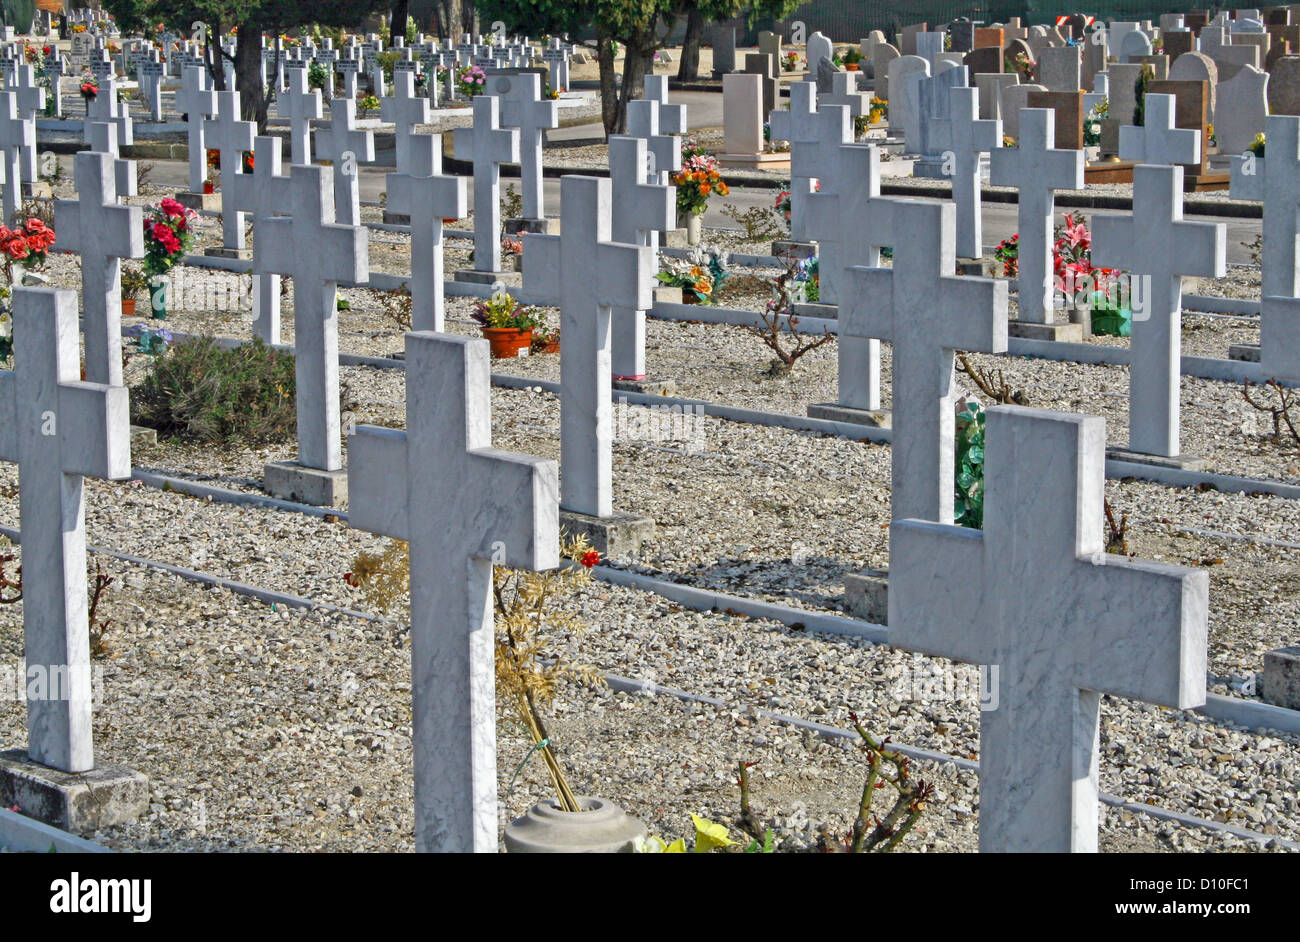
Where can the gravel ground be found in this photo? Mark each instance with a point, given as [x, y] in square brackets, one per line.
[230, 707]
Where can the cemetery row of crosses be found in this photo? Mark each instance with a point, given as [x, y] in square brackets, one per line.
[418, 465]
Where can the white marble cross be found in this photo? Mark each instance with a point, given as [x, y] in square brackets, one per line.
[643, 208]
[1275, 181]
[1037, 168]
[197, 101]
[16, 135]
[1059, 622]
[853, 224]
[655, 122]
[103, 139]
[105, 107]
[489, 146]
[300, 105]
[926, 312]
[844, 91]
[1158, 141]
[231, 138]
[257, 193]
[318, 254]
[1279, 338]
[103, 233]
[587, 276]
[427, 197]
[672, 118]
[335, 143]
[1156, 244]
[523, 107]
[813, 133]
[149, 74]
[410, 485]
[57, 429]
[405, 111]
[31, 103]
[971, 137]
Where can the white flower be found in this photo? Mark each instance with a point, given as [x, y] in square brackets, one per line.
[6, 325]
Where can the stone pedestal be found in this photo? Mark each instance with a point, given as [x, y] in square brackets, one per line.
[539, 226]
[142, 437]
[511, 279]
[78, 802]
[600, 828]
[1246, 352]
[866, 596]
[790, 249]
[1281, 680]
[970, 266]
[930, 168]
[289, 480]
[779, 161]
[1067, 333]
[667, 295]
[223, 252]
[1177, 462]
[615, 535]
[834, 412]
[396, 219]
[646, 384]
[674, 239]
[828, 312]
[200, 202]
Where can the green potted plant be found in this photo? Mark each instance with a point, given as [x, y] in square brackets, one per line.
[507, 324]
[134, 283]
[852, 59]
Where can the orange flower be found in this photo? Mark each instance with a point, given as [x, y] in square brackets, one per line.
[704, 189]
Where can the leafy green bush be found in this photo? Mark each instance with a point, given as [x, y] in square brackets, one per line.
[968, 506]
[199, 391]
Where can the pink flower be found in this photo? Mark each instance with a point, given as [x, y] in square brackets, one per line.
[173, 208]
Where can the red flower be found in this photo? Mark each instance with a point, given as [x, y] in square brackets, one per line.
[173, 208]
[35, 225]
[16, 249]
[351, 579]
[590, 558]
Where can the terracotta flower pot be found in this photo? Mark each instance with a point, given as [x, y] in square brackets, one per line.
[507, 341]
[128, 307]
[689, 296]
[850, 67]
[551, 346]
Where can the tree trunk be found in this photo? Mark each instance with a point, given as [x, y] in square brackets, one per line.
[253, 100]
[688, 70]
[637, 64]
[609, 115]
[397, 25]
[212, 55]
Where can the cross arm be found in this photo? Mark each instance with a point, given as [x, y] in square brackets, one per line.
[528, 525]
[348, 248]
[541, 263]
[1279, 338]
[1112, 240]
[95, 430]
[934, 572]
[1246, 181]
[1163, 664]
[623, 275]
[378, 481]
[1202, 248]
[867, 305]
[981, 322]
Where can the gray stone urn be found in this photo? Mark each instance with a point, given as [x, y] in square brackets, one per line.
[602, 827]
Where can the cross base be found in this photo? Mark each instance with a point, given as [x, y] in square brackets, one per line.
[666, 295]
[866, 595]
[200, 202]
[78, 802]
[522, 224]
[930, 167]
[787, 248]
[828, 312]
[615, 535]
[779, 161]
[142, 437]
[1175, 462]
[1281, 679]
[511, 279]
[289, 480]
[674, 239]
[644, 384]
[223, 252]
[1246, 352]
[37, 190]
[1065, 333]
[396, 219]
[834, 412]
[970, 266]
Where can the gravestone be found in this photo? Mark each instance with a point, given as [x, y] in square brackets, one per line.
[1068, 107]
[723, 42]
[766, 68]
[904, 100]
[819, 48]
[645, 208]
[661, 125]
[929, 46]
[1274, 181]
[1156, 244]
[742, 130]
[1232, 59]
[1044, 489]
[300, 105]
[1095, 52]
[1060, 69]
[489, 146]
[853, 222]
[307, 245]
[1123, 92]
[882, 58]
[1196, 66]
[231, 138]
[395, 479]
[982, 61]
[1038, 168]
[556, 58]
[990, 88]
[1191, 112]
[1284, 86]
[30, 96]
[926, 313]
[811, 132]
[1279, 338]
[907, 38]
[1178, 43]
[1015, 98]
[769, 43]
[990, 36]
[962, 31]
[1133, 44]
[103, 139]
[1158, 141]
[588, 276]
[59, 430]
[971, 139]
[523, 107]
[844, 91]
[346, 146]
[16, 136]
[106, 107]
[102, 232]
[405, 110]
[254, 193]
[427, 197]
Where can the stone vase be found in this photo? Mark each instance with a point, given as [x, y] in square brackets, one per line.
[158, 300]
[694, 227]
[600, 828]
